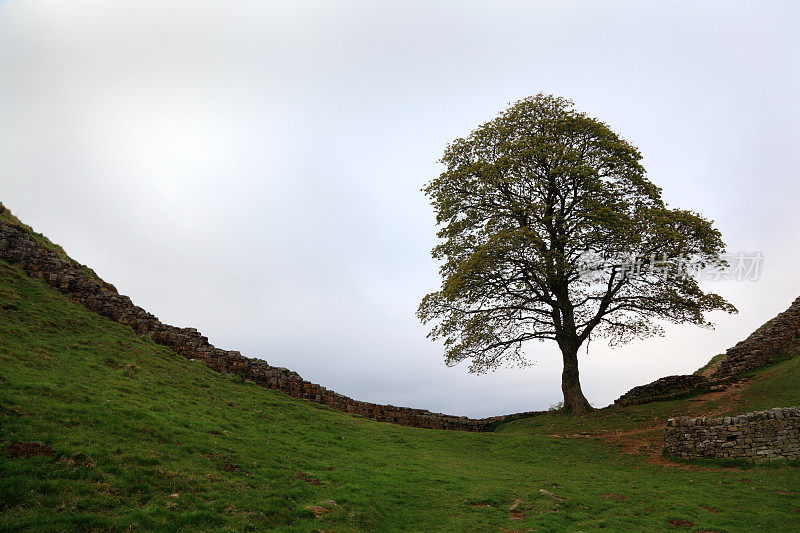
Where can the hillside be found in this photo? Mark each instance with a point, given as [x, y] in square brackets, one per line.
[105, 429]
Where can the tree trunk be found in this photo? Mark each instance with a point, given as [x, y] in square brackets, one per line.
[574, 401]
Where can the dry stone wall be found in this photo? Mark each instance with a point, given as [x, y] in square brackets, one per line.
[79, 283]
[668, 388]
[764, 346]
[771, 342]
[754, 437]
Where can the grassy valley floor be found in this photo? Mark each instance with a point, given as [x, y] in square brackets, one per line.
[104, 430]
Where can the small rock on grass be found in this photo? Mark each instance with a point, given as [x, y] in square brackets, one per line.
[318, 510]
[548, 493]
[324, 507]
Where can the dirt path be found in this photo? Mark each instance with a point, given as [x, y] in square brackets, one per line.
[648, 442]
[726, 399]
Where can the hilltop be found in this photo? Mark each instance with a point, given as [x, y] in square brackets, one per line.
[104, 428]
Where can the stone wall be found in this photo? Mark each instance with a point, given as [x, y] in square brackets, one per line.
[668, 388]
[81, 285]
[773, 341]
[754, 437]
[764, 346]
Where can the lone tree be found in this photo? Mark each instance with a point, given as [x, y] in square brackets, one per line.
[550, 230]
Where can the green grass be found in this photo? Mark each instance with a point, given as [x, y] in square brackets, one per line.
[776, 386]
[144, 439]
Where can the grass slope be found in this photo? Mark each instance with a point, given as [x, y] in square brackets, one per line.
[132, 436]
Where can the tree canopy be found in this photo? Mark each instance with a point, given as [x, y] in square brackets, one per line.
[550, 230]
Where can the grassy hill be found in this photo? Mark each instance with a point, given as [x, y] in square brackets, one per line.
[103, 430]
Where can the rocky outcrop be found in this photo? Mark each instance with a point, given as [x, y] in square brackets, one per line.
[753, 437]
[81, 285]
[668, 388]
[769, 343]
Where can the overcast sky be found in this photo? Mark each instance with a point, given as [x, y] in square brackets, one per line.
[253, 168]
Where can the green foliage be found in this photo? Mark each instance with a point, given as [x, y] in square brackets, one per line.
[550, 230]
[144, 439]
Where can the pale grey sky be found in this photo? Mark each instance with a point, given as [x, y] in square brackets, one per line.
[253, 168]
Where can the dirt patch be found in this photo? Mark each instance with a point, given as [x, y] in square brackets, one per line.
[324, 507]
[710, 509]
[728, 398]
[648, 442]
[226, 464]
[679, 523]
[107, 488]
[481, 504]
[79, 460]
[308, 479]
[26, 450]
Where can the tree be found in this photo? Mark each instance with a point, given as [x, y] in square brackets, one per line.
[550, 230]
